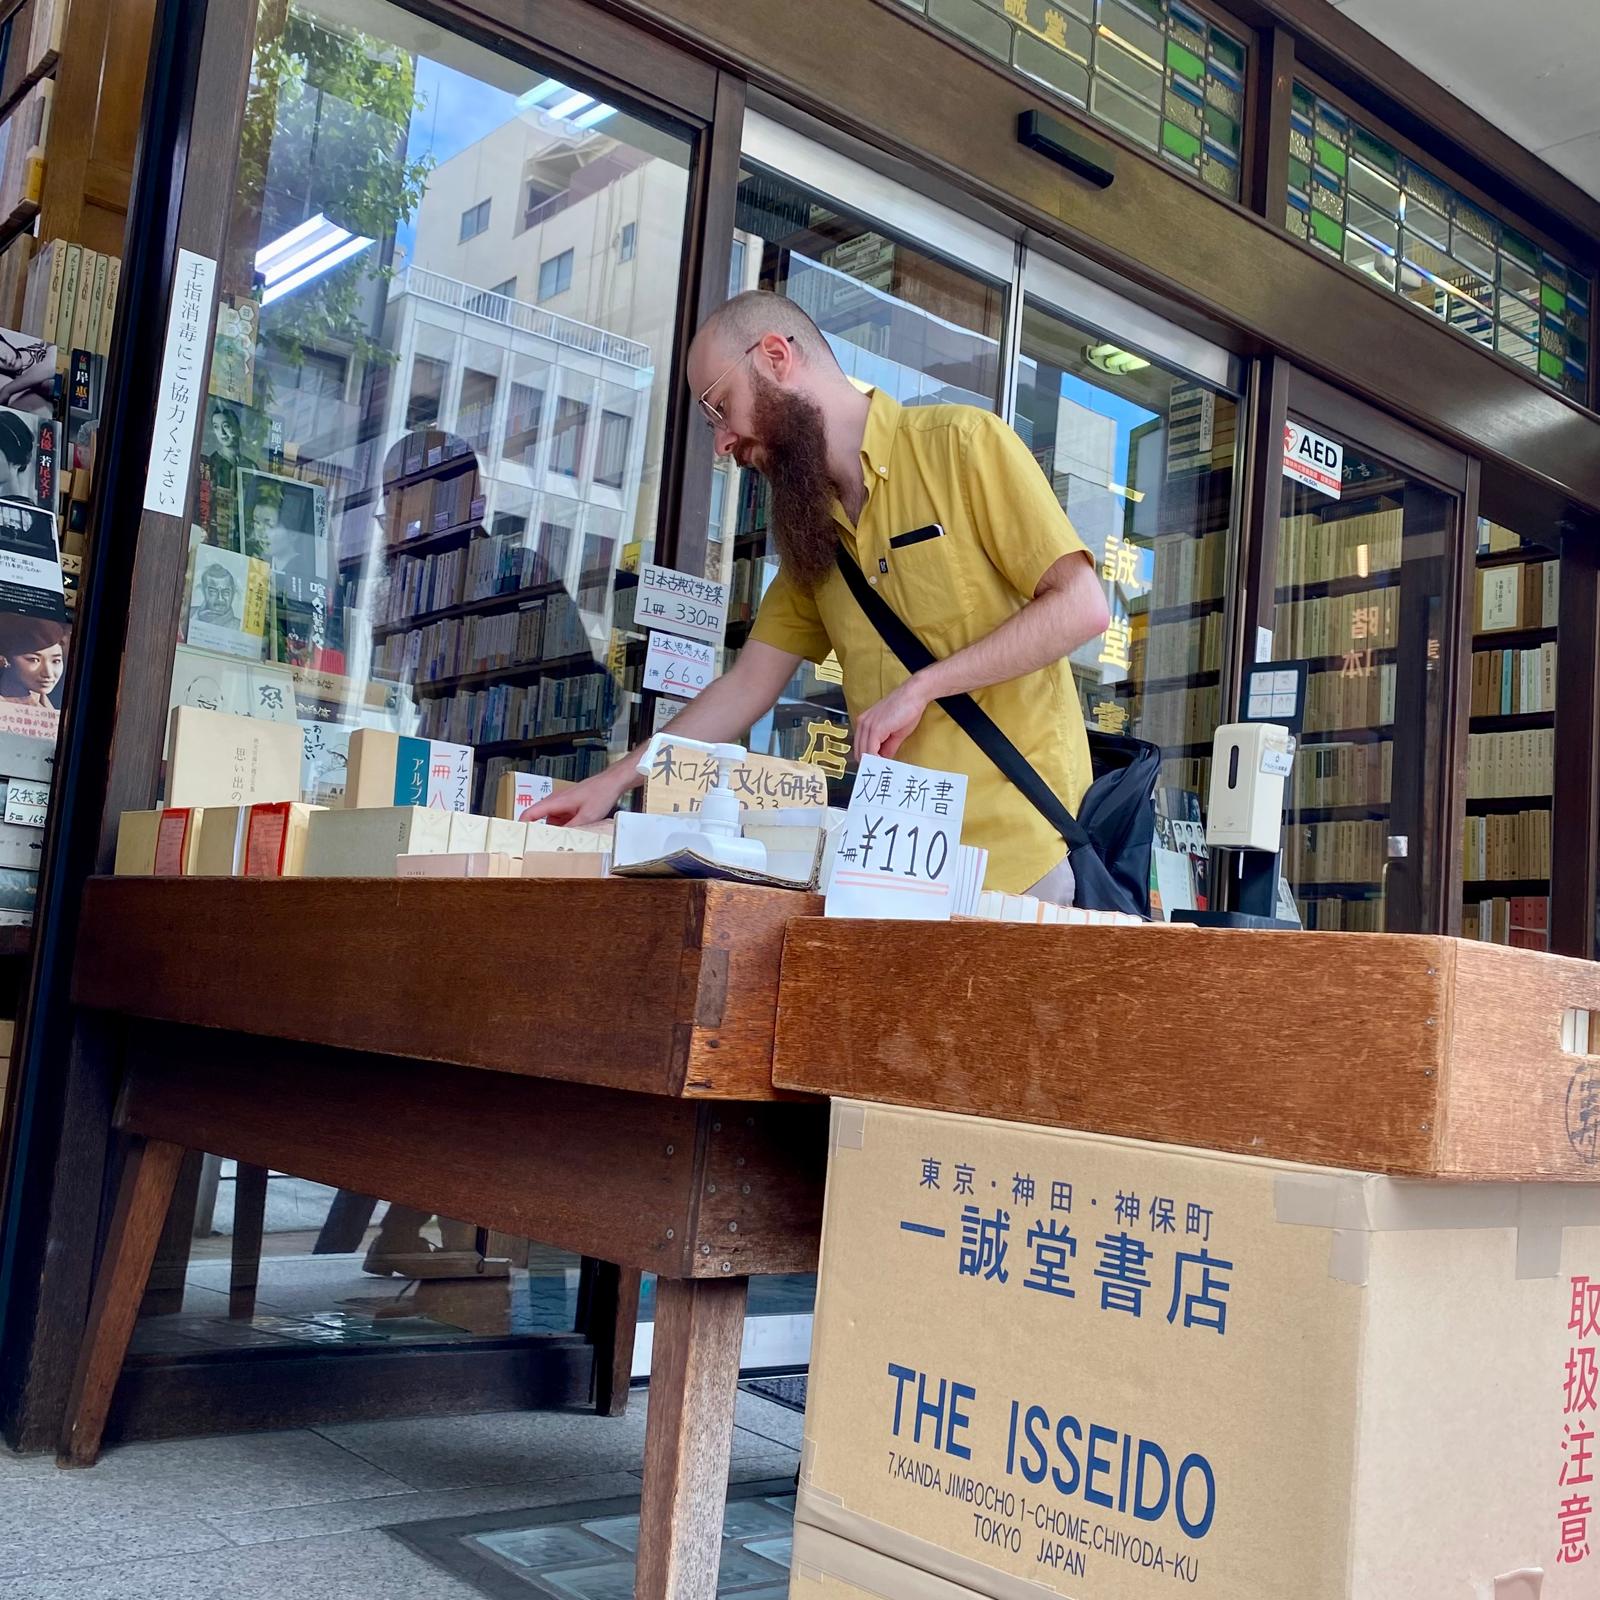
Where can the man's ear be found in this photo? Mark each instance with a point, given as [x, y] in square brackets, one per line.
[779, 355]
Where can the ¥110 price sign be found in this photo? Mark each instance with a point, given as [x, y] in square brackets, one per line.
[897, 850]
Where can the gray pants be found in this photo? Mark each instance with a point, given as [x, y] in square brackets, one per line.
[1057, 885]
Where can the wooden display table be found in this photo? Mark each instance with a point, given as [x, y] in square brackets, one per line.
[585, 1064]
[1404, 1054]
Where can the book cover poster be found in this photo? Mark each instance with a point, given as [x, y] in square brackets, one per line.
[223, 455]
[228, 594]
[31, 582]
[233, 351]
[27, 373]
[33, 662]
[28, 448]
[286, 525]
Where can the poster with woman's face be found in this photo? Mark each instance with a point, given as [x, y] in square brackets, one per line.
[27, 458]
[286, 525]
[27, 373]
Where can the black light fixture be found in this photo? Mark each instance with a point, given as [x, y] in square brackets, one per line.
[1052, 137]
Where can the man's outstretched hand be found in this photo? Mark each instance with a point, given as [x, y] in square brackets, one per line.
[590, 801]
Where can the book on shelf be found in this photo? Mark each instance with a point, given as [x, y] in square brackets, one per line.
[1335, 852]
[1177, 716]
[579, 705]
[1518, 595]
[71, 297]
[1514, 682]
[1337, 625]
[1506, 847]
[1322, 547]
[1511, 765]
[1361, 696]
[1189, 570]
[1337, 914]
[214, 759]
[1343, 775]
[1519, 920]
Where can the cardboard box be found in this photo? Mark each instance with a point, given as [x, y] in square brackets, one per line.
[214, 759]
[1055, 1362]
[566, 864]
[392, 769]
[364, 844]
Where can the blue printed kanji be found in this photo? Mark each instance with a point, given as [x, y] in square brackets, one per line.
[1022, 1189]
[963, 1178]
[1051, 1246]
[1163, 1216]
[1123, 1260]
[930, 1173]
[1061, 1197]
[983, 1244]
[1197, 1219]
[1204, 1306]
[1127, 1207]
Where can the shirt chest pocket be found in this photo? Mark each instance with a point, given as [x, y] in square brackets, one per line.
[924, 582]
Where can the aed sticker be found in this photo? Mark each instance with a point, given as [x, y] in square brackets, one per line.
[1312, 459]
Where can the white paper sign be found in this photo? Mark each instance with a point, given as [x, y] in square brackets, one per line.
[666, 710]
[27, 804]
[1311, 459]
[897, 851]
[166, 480]
[682, 603]
[681, 667]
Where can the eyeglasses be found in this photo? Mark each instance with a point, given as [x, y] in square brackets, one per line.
[714, 414]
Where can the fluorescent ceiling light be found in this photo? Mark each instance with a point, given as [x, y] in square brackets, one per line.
[537, 95]
[593, 117]
[564, 108]
[328, 237]
[1113, 359]
[268, 254]
[353, 245]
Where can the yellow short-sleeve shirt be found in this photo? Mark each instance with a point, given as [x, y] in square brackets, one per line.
[963, 470]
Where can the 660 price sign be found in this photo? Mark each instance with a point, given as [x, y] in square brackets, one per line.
[897, 850]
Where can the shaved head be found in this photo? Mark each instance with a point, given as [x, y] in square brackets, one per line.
[737, 323]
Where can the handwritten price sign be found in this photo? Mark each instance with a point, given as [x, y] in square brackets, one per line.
[681, 667]
[897, 853]
[681, 603]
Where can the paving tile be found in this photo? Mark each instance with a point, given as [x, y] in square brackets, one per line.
[345, 1516]
[770, 1420]
[352, 1566]
[203, 1478]
[498, 1447]
[66, 1542]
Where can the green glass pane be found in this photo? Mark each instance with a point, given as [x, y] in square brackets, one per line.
[1553, 299]
[1154, 9]
[1374, 151]
[1299, 175]
[1550, 366]
[1222, 128]
[1514, 244]
[1303, 101]
[1185, 62]
[1227, 50]
[1330, 155]
[1327, 232]
[1180, 142]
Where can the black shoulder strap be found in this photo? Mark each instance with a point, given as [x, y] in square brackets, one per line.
[962, 709]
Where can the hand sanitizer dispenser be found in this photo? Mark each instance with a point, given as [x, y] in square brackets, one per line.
[1249, 763]
[713, 830]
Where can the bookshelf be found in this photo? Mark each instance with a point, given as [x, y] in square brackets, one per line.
[494, 648]
[1511, 740]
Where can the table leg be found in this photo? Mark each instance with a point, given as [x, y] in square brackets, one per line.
[143, 1197]
[613, 1317]
[249, 1223]
[694, 1379]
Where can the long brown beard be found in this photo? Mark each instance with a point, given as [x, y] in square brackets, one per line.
[795, 449]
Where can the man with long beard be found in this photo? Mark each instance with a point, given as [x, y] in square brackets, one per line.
[954, 525]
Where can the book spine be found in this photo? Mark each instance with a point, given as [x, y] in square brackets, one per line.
[61, 333]
[108, 309]
[80, 311]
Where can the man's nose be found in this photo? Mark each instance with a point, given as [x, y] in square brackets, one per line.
[723, 440]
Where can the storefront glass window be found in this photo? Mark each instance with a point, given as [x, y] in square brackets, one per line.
[899, 318]
[1505, 848]
[1161, 72]
[1355, 196]
[416, 509]
[1362, 572]
[1142, 459]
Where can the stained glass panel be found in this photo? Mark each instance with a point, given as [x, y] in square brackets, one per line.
[1351, 193]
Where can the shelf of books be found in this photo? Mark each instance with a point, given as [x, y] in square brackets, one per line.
[1338, 609]
[1506, 839]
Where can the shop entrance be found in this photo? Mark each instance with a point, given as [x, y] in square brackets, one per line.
[1364, 590]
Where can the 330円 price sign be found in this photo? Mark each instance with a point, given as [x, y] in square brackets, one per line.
[681, 603]
[897, 852]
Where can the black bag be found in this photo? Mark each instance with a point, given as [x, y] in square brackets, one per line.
[1109, 843]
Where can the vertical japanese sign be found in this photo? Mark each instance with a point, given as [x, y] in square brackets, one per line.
[166, 483]
[897, 853]
[1126, 569]
[1580, 1408]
